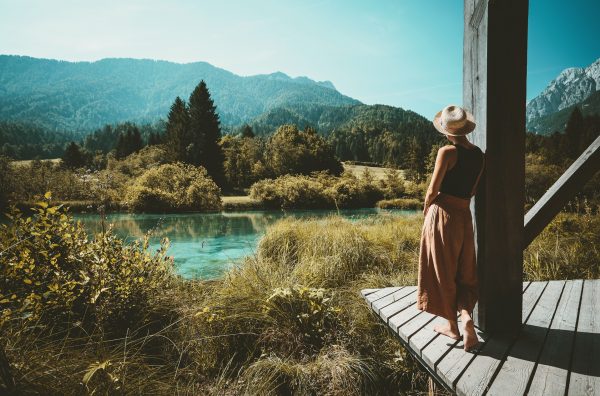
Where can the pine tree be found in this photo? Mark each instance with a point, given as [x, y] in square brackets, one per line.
[73, 157]
[205, 133]
[574, 132]
[247, 131]
[154, 138]
[129, 141]
[176, 138]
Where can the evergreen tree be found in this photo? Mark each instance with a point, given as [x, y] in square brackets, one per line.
[205, 133]
[73, 157]
[176, 138]
[154, 138]
[247, 131]
[573, 133]
[129, 141]
[5, 187]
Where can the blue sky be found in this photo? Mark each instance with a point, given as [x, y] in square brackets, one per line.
[398, 52]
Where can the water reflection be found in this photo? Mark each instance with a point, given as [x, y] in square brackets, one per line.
[205, 245]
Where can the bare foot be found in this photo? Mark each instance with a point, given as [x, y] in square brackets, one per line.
[448, 330]
[470, 338]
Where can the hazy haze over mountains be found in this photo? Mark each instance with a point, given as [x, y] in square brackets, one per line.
[87, 95]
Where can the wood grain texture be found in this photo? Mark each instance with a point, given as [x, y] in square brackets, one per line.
[403, 317]
[513, 377]
[476, 378]
[585, 369]
[553, 366]
[391, 298]
[536, 361]
[372, 297]
[494, 82]
[397, 307]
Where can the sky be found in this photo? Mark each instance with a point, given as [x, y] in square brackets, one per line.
[405, 53]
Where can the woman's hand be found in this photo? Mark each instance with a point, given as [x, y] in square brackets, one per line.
[425, 207]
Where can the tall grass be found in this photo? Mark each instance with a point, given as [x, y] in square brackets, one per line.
[288, 320]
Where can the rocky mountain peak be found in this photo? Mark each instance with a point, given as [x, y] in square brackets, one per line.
[570, 87]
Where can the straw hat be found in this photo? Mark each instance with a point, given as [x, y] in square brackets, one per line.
[454, 121]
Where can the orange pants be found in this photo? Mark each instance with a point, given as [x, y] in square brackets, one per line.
[447, 268]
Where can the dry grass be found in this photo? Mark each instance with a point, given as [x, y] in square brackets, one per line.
[377, 172]
[290, 320]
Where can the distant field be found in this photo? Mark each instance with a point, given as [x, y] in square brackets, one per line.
[27, 162]
[377, 172]
[358, 170]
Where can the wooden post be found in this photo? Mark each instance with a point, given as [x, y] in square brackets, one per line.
[494, 77]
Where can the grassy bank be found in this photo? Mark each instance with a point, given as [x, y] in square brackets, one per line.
[289, 320]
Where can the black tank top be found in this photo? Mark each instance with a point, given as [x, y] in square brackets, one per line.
[459, 180]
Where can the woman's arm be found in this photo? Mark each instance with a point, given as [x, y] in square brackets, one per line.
[441, 165]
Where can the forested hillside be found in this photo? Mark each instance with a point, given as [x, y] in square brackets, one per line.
[87, 95]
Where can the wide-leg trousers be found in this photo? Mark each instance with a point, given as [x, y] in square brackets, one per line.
[447, 267]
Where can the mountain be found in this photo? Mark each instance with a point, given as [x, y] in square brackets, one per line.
[572, 86]
[86, 95]
[327, 119]
[557, 121]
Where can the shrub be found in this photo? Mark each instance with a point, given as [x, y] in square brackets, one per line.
[400, 203]
[173, 188]
[348, 191]
[318, 191]
[52, 272]
[292, 192]
[291, 151]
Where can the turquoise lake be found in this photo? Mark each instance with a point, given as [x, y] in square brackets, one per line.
[205, 245]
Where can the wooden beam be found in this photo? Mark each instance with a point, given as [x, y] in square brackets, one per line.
[564, 189]
[494, 83]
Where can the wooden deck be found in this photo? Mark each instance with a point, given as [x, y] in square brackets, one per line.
[557, 351]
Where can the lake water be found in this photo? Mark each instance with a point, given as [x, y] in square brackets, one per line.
[205, 245]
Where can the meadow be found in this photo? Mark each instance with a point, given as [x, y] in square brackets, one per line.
[112, 318]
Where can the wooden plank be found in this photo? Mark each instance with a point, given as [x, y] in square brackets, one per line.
[476, 377]
[456, 361]
[585, 369]
[407, 330]
[436, 349]
[564, 189]
[424, 336]
[366, 292]
[516, 370]
[553, 367]
[391, 298]
[494, 77]
[530, 297]
[394, 308]
[403, 317]
[380, 294]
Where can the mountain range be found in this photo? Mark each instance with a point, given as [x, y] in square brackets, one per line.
[82, 96]
[575, 86]
[86, 95]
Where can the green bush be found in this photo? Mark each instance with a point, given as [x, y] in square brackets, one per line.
[400, 203]
[291, 192]
[174, 188]
[291, 151]
[51, 272]
[318, 191]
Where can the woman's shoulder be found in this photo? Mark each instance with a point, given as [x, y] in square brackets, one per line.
[448, 148]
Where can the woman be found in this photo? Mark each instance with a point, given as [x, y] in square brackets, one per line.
[447, 269]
